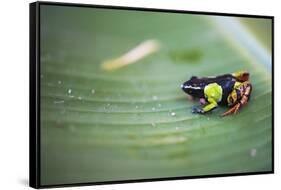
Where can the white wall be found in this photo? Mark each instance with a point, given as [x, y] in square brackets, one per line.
[14, 93]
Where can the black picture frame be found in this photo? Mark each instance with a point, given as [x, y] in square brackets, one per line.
[34, 98]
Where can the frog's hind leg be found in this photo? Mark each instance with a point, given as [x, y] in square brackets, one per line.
[241, 76]
[239, 98]
[232, 110]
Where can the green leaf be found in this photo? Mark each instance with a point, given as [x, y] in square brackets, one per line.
[136, 122]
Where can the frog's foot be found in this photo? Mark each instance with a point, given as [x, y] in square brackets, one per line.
[232, 110]
[197, 109]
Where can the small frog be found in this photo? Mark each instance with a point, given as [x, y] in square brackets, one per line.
[233, 90]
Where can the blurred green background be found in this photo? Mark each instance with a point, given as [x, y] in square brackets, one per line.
[261, 30]
[136, 122]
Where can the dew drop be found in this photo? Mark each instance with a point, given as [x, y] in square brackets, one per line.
[59, 82]
[155, 98]
[173, 114]
[93, 91]
[153, 109]
[137, 107]
[79, 98]
[159, 105]
[253, 152]
[69, 91]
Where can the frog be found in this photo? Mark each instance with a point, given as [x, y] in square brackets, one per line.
[232, 90]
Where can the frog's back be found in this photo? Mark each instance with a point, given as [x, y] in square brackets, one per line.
[226, 82]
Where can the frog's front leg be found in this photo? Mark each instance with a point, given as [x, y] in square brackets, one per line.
[212, 104]
[239, 97]
[213, 94]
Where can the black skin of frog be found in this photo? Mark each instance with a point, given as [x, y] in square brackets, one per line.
[232, 90]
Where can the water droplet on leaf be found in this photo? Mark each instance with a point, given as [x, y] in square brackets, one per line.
[253, 152]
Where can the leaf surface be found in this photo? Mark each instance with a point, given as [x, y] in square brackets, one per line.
[136, 122]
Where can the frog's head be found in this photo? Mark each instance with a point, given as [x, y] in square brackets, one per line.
[193, 87]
